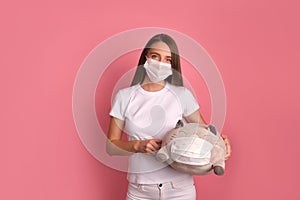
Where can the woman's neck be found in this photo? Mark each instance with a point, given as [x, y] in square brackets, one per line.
[152, 87]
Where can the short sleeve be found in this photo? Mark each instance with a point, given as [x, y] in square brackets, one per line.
[190, 103]
[118, 108]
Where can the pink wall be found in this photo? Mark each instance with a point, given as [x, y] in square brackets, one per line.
[255, 45]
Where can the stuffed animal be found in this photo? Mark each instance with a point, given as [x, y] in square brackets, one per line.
[194, 148]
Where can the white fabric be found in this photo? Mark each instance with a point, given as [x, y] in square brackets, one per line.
[182, 189]
[191, 150]
[156, 70]
[150, 115]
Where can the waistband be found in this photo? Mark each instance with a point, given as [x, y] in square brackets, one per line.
[179, 182]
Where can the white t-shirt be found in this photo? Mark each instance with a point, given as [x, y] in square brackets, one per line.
[149, 115]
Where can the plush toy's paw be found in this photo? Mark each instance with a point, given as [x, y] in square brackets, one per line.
[162, 154]
[162, 157]
[219, 170]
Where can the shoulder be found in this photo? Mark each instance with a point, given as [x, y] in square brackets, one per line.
[179, 90]
[126, 92]
[184, 94]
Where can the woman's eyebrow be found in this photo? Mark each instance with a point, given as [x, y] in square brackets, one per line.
[154, 52]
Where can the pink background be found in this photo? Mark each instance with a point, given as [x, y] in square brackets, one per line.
[255, 45]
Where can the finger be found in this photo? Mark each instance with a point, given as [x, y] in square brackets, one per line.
[158, 141]
[228, 152]
[149, 147]
[227, 156]
[226, 139]
[156, 145]
[224, 136]
[227, 142]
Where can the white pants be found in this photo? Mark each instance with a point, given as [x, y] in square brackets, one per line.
[183, 189]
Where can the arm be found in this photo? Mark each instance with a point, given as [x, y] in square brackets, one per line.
[116, 146]
[196, 117]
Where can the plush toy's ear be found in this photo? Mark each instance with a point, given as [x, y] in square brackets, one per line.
[212, 129]
[179, 124]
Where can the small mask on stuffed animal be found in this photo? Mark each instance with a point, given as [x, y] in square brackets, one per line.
[194, 148]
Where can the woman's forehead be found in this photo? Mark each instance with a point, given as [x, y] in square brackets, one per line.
[160, 46]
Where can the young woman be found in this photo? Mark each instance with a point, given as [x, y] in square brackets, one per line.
[146, 110]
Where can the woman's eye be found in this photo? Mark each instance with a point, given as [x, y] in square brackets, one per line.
[154, 56]
[169, 60]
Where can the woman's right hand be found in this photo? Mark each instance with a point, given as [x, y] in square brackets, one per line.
[116, 146]
[148, 146]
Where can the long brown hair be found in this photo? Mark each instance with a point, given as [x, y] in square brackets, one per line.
[176, 77]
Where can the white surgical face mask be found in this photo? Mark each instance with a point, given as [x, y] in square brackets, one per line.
[191, 150]
[157, 70]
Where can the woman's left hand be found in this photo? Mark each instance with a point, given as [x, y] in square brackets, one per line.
[228, 147]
